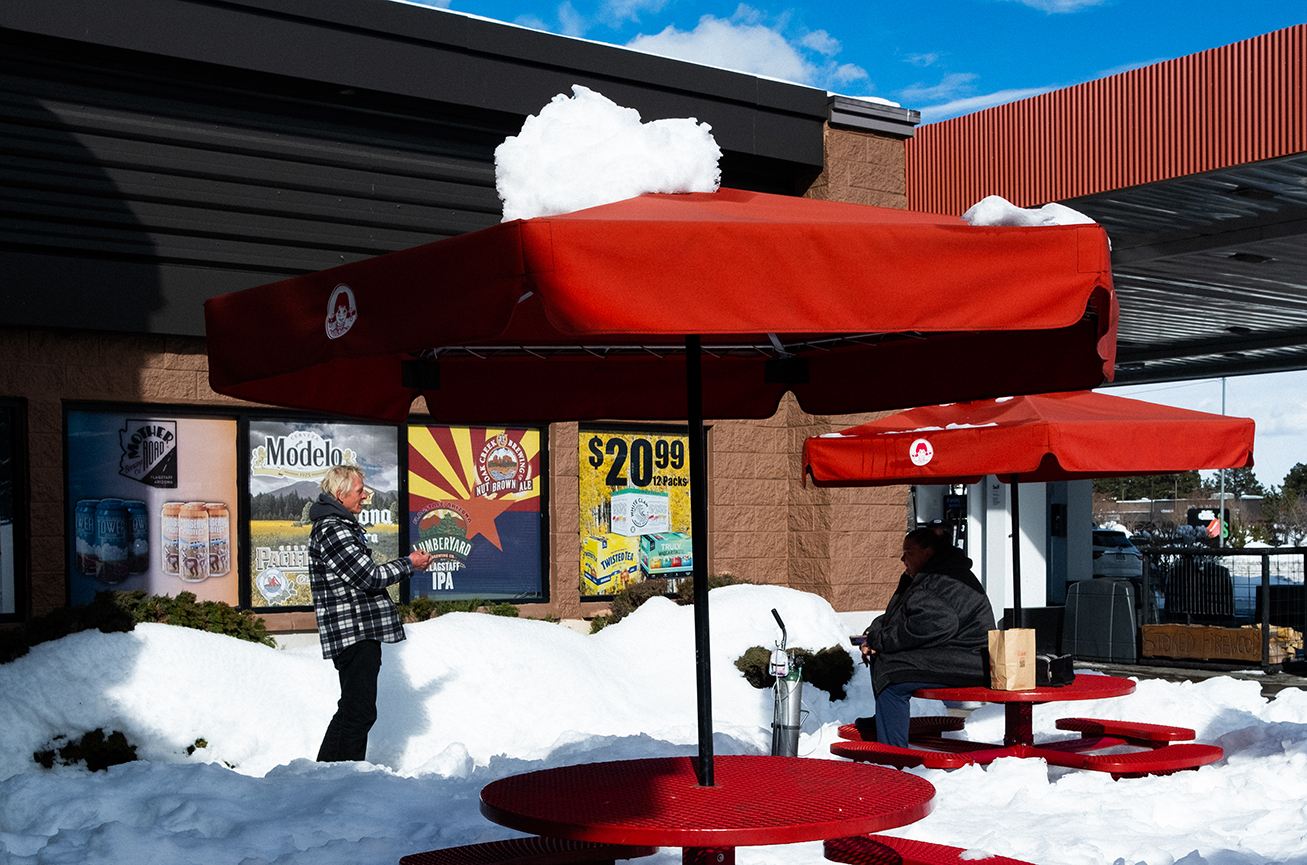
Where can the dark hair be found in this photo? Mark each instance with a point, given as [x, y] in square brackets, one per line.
[927, 539]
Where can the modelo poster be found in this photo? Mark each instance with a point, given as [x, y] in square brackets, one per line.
[635, 507]
[287, 462]
[474, 504]
[151, 505]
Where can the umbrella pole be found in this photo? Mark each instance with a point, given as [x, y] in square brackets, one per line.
[699, 549]
[1017, 615]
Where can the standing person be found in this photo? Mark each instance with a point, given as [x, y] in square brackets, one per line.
[355, 615]
[934, 633]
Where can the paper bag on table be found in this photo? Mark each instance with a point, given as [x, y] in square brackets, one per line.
[1012, 659]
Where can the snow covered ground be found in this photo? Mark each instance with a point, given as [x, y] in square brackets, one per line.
[471, 698]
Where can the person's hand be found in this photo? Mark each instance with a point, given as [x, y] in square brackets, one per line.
[867, 652]
[421, 559]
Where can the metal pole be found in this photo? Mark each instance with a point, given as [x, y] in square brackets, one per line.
[1017, 615]
[1266, 612]
[699, 549]
[1220, 505]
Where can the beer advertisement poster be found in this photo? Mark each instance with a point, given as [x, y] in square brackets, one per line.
[474, 504]
[635, 507]
[152, 505]
[8, 586]
[287, 462]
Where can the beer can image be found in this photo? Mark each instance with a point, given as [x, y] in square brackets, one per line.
[219, 538]
[111, 534]
[84, 531]
[170, 556]
[138, 524]
[193, 542]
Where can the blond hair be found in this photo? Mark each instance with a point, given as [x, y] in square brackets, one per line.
[338, 478]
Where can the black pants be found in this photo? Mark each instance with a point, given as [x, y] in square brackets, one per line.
[356, 712]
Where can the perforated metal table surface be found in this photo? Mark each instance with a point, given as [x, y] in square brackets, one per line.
[1019, 704]
[756, 800]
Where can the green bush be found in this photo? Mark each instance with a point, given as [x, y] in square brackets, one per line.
[95, 749]
[121, 611]
[830, 669]
[424, 608]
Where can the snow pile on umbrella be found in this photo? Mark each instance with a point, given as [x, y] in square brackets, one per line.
[586, 150]
[997, 210]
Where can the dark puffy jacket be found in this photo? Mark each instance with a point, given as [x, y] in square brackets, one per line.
[935, 628]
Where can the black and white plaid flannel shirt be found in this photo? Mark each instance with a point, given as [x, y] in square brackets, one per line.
[349, 588]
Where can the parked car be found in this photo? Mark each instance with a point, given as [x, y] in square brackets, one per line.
[1115, 556]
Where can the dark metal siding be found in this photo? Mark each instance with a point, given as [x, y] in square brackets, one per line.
[135, 183]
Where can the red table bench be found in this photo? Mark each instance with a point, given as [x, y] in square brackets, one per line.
[932, 750]
[884, 850]
[534, 850]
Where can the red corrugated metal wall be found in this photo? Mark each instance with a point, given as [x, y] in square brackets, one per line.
[1240, 103]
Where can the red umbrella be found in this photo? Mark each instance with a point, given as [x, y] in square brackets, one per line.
[685, 307]
[1048, 437]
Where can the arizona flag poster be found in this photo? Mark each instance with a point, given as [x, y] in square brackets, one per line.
[474, 504]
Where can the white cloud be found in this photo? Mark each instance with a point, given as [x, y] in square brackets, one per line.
[1056, 6]
[746, 42]
[950, 86]
[922, 59]
[821, 42]
[534, 22]
[972, 104]
[843, 73]
[618, 11]
[570, 22]
[729, 44]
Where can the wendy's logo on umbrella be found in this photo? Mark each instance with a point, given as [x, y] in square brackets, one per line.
[920, 452]
[341, 312]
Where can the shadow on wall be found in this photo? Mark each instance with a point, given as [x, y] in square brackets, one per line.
[73, 252]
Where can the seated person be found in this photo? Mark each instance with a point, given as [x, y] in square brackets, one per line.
[934, 633]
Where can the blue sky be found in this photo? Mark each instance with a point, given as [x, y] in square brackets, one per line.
[943, 58]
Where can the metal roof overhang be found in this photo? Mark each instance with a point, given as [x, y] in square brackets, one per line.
[1196, 167]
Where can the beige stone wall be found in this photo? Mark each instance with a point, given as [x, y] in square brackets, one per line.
[862, 168]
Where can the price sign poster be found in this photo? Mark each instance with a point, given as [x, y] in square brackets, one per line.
[474, 504]
[635, 506]
[136, 480]
[287, 462]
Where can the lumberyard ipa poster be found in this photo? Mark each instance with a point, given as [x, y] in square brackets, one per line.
[151, 505]
[474, 504]
[635, 507]
[287, 462]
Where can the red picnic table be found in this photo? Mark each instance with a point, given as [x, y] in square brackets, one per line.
[756, 800]
[1154, 752]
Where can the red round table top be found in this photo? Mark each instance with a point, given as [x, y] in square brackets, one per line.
[756, 800]
[1081, 688]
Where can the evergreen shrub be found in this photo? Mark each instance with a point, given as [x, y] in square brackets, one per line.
[424, 608]
[94, 749]
[120, 611]
[830, 669]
